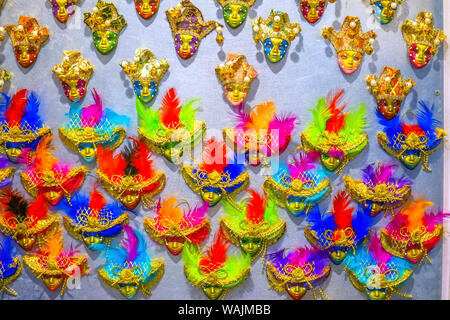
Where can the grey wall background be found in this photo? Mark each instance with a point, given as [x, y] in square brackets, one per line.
[308, 72]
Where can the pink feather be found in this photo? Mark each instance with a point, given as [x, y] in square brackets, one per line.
[302, 164]
[197, 215]
[92, 115]
[132, 244]
[384, 172]
[432, 220]
[281, 130]
[377, 251]
[336, 153]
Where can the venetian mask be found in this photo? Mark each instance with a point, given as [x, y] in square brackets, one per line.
[10, 265]
[385, 10]
[235, 11]
[63, 9]
[313, 10]
[14, 150]
[146, 8]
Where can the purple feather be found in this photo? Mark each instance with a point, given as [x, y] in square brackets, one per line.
[4, 162]
[132, 244]
[197, 215]
[303, 163]
[432, 220]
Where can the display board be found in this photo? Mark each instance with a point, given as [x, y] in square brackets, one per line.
[295, 84]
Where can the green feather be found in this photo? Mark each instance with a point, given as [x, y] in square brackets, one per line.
[187, 114]
[320, 116]
[355, 123]
[150, 119]
[271, 212]
[191, 257]
[235, 265]
[234, 216]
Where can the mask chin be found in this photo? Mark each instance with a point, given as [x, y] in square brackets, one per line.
[330, 163]
[13, 155]
[175, 246]
[295, 291]
[53, 282]
[131, 201]
[212, 197]
[376, 294]
[91, 239]
[337, 256]
[414, 255]
[410, 161]
[296, 206]
[252, 246]
[128, 290]
[53, 197]
[212, 292]
[349, 61]
[88, 153]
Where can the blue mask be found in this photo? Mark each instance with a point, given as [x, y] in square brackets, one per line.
[145, 91]
[275, 49]
[384, 11]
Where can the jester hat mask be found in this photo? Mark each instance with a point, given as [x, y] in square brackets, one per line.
[413, 233]
[46, 175]
[129, 268]
[63, 9]
[235, 11]
[146, 8]
[175, 228]
[411, 143]
[6, 172]
[299, 185]
[21, 126]
[338, 136]
[54, 265]
[10, 266]
[129, 176]
[217, 177]
[298, 270]
[260, 134]
[214, 271]
[29, 223]
[385, 10]
[377, 273]
[338, 231]
[379, 190]
[91, 126]
[254, 227]
[93, 220]
[171, 129]
[312, 10]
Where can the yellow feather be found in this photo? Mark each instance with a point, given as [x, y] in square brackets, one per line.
[261, 115]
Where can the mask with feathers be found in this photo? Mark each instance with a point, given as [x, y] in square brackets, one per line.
[10, 266]
[6, 172]
[173, 227]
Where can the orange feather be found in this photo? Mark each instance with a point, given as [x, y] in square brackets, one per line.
[216, 255]
[214, 156]
[261, 115]
[415, 213]
[169, 214]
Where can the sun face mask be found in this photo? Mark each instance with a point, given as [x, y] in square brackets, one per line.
[377, 273]
[93, 220]
[411, 143]
[6, 172]
[129, 176]
[275, 34]
[106, 24]
[46, 175]
[175, 228]
[385, 10]
[379, 190]
[298, 270]
[146, 8]
[21, 127]
[63, 9]
[253, 227]
[145, 73]
[54, 265]
[413, 233]
[5, 76]
[74, 73]
[312, 10]
[389, 90]
[299, 185]
[129, 268]
[27, 37]
[235, 11]
[338, 136]
[338, 231]
[217, 177]
[236, 76]
[10, 266]
[214, 271]
[260, 134]
[422, 39]
[189, 28]
[91, 126]
[171, 129]
[350, 43]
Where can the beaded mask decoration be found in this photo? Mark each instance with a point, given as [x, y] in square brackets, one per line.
[129, 268]
[312, 10]
[260, 133]
[46, 175]
[6, 172]
[214, 271]
[338, 136]
[253, 227]
[235, 11]
[27, 37]
[338, 231]
[172, 129]
[298, 270]
[10, 265]
[275, 34]
[411, 143]
[377, 273]
[236, 76]
[63, 9]
[413, 233]
[385, 10]
[129, 176]
[74, 73]
[175, 228]
[350, 43]
[146, 8]
[106, 24]
[379, 190]
[93, 220]
[54, 265]
[299, 185]
[91, 126]
[217, 177]
[189, 28]
[145, 73]
[4, 77]
[389, 90]
[21, 127]
[422, 38]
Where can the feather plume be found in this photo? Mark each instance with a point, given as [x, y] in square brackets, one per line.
[432, 220]
[216, 255]
[13, 205]
[321, 114]
[281, 129]
[425, 119]
[142, 159]
[341, 211]
[255, 207]
[54, 246]
[38, 209]
[4, 104]
[110, 164]
[261, 115]
[169, 213]
[214, 156]
[355, 123]
[97, 202]
[197, 215]
[392, 128]
[187, 114]
[170, 109]
[6, 253]
[31, 115]
[93, 114]
[302, 163]
[149, 119]
[337, 119]
[44, 159]
[415, 213]
[130, 244]
[17, 108]
[377, 251]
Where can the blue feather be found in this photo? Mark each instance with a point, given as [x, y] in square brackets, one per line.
[283, 171]
[4, 105]
[31, 115]
[362, 222]
[116, 119]
[392, 128]
[234, 170]
[6, 252]
[316, 198]
[428, 124]
[75, 109]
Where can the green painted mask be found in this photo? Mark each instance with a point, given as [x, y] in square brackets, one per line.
[106, 41]
[235, 14]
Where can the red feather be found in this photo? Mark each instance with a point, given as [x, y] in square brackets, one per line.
[5, 198]
[408, 129]
[74, 183]
[216, 255]
[38, 209]
[16, 109]
[142, 159]
[342, 212]
[109, 164]
[170, 109]
[214, 157]
[199, 235]
[256, 207]
[336, 122]
[97, 202]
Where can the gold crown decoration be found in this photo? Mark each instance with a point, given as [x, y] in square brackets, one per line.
[27, 32]
[187, 19]
[350, 37]
[236, 69]
[4, 76]
[105, 17]
[390, 84]
[145, 67]
[423, 31]
[73, 67]
[247, 3]
[277, 25]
